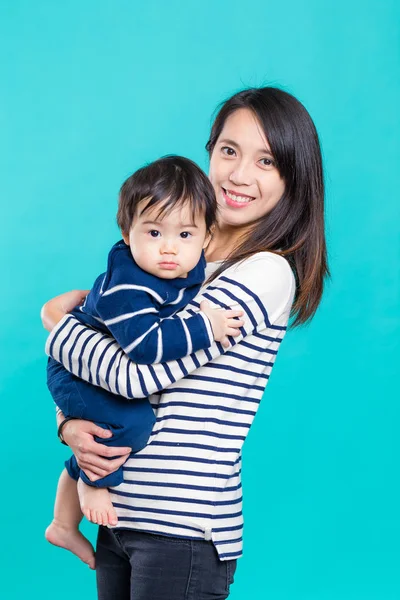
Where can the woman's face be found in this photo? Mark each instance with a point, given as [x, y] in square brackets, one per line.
[243, 172]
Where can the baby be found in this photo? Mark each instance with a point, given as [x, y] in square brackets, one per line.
[166, 214]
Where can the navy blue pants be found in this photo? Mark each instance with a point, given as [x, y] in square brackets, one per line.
[130, 422]
[132, 565]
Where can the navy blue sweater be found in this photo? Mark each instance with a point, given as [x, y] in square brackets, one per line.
[138, 309]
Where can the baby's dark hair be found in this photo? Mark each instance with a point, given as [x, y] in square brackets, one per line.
[168, 181]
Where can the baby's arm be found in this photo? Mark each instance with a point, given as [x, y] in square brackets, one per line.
[148, 339]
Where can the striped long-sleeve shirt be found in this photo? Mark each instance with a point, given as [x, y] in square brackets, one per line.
[133, 306]
[187, 481]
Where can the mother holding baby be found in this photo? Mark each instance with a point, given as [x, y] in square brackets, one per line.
[180, 521]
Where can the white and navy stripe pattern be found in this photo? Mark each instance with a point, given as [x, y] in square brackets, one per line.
[187, 481]
[136, 307]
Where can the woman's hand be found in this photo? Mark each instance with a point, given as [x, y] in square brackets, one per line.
[56, 308]
[79, 435]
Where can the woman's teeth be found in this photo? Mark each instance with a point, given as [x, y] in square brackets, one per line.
[236, 198]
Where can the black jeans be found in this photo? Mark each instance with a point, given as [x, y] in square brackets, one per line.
[131, 565]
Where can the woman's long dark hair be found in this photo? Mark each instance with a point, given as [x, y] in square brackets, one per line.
[294, 228]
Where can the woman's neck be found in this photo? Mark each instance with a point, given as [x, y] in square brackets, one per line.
[223, 242]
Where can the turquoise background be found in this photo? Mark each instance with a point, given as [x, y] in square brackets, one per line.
[91, 90]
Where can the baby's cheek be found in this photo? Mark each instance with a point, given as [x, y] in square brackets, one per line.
[193, 256]
[145, 259]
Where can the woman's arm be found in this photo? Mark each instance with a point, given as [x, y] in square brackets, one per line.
[91, 456]
[262, 287]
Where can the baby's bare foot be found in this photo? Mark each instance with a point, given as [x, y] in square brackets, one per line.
[71, 539]
[96, 504]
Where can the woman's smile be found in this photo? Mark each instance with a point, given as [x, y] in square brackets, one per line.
[235, 199]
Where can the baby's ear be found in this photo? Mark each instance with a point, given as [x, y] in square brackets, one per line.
[125, 237]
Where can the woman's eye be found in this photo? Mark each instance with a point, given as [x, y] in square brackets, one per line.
[154, 233]
[185, 235]
[267, 162]
[228, 151]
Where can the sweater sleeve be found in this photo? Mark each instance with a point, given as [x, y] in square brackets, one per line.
[142, 334]
[262, 286]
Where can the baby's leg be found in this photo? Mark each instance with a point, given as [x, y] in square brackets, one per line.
[64, 529]
[96, 505]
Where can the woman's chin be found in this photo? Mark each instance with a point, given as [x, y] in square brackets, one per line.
[227, 219]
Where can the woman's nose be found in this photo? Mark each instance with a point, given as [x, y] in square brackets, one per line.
[241, 174]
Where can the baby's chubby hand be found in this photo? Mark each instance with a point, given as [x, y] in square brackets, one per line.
[224, 323]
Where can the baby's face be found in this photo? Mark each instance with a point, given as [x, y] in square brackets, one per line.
[168, 246]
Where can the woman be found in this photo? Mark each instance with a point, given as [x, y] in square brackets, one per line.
[179, 509]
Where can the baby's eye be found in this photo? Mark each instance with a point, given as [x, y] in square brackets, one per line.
[154, 233]
[228, 151]
[185, 235]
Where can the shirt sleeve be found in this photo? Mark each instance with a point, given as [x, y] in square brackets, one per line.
[142, 334]
[262, 286]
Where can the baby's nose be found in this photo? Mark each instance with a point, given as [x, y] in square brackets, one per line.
[168, 247]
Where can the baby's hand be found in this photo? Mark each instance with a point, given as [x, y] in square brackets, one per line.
[223, 322]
